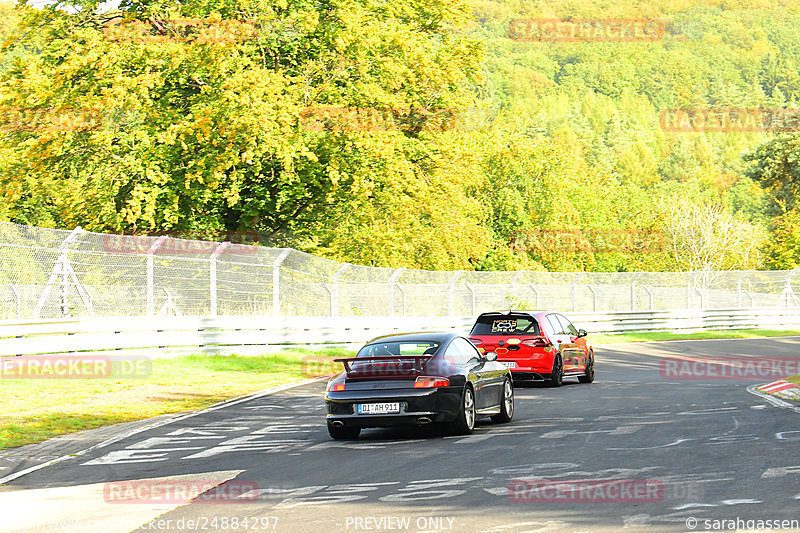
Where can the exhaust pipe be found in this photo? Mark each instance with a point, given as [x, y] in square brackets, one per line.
[337, 423]
[424, 420]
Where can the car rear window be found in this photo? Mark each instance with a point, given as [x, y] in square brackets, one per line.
[505, 325]
[384, 349]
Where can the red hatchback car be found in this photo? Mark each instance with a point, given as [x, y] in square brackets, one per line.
[536, 345]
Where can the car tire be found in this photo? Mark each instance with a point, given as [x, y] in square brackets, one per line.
[506, 405]
[464, 424]
[343, 432]
[588, 376]
[557, 375]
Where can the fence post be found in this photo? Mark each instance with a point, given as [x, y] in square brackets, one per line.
[575, 292]
[594, 298]
[472, 292]
[335, 290]
[17, 300]
[212, 275]
[151, 296]
[58, 270]
[276, 282]
[392, 282]
[649, 296]
[514, 282]
[452, 286]
[633, 292]
[536, 295]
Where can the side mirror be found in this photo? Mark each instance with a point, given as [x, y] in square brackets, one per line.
[490, 356]
[582, 333]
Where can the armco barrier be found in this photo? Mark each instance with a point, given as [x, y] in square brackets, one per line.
[170, 336]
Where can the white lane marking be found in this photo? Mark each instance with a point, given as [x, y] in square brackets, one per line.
[561, 433]
[782, 435]
[646, 417]
[497, 491]
[739, 502]
[530, 469]
[430, 489]
[797, 496]
[633, 344]
[694, 506]
[475, 438]
[529, 527]
[679, 441]
[221, 405]
[708, 411]
[780, 471]
[644, 520]
[558, 434]
[126, 456]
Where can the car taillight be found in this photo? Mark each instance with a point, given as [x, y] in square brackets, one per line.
[538, 342]
[335, 387]
[428, 382]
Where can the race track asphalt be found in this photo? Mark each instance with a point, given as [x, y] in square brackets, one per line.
[696, 448]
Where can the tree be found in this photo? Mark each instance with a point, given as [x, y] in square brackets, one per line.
[706, 239]
[206, 117]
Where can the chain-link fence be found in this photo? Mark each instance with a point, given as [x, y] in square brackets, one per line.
[48, 273]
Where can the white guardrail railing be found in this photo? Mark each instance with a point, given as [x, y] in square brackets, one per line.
[250, 335]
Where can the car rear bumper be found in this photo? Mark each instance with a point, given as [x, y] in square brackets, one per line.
[438, 405]
[527, 375]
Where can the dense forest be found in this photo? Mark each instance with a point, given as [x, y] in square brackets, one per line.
[416, 133]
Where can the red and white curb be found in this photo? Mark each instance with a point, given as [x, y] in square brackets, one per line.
[781, 389]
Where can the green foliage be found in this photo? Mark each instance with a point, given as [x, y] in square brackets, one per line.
[413, 133]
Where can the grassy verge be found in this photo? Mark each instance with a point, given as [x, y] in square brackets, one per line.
[794, 379]
[33, 410]
[707, 334]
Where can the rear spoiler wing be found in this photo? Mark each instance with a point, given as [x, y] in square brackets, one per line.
[386, 370]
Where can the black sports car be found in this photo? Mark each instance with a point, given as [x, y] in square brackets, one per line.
[415, 379]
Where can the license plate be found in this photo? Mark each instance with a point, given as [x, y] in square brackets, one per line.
[378, 408]
[508, 364]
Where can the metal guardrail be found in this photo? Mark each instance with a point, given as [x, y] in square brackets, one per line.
[172, 336]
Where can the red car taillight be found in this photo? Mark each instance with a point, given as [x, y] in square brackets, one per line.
[335, 387]
[428, 382]
[538, 342]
